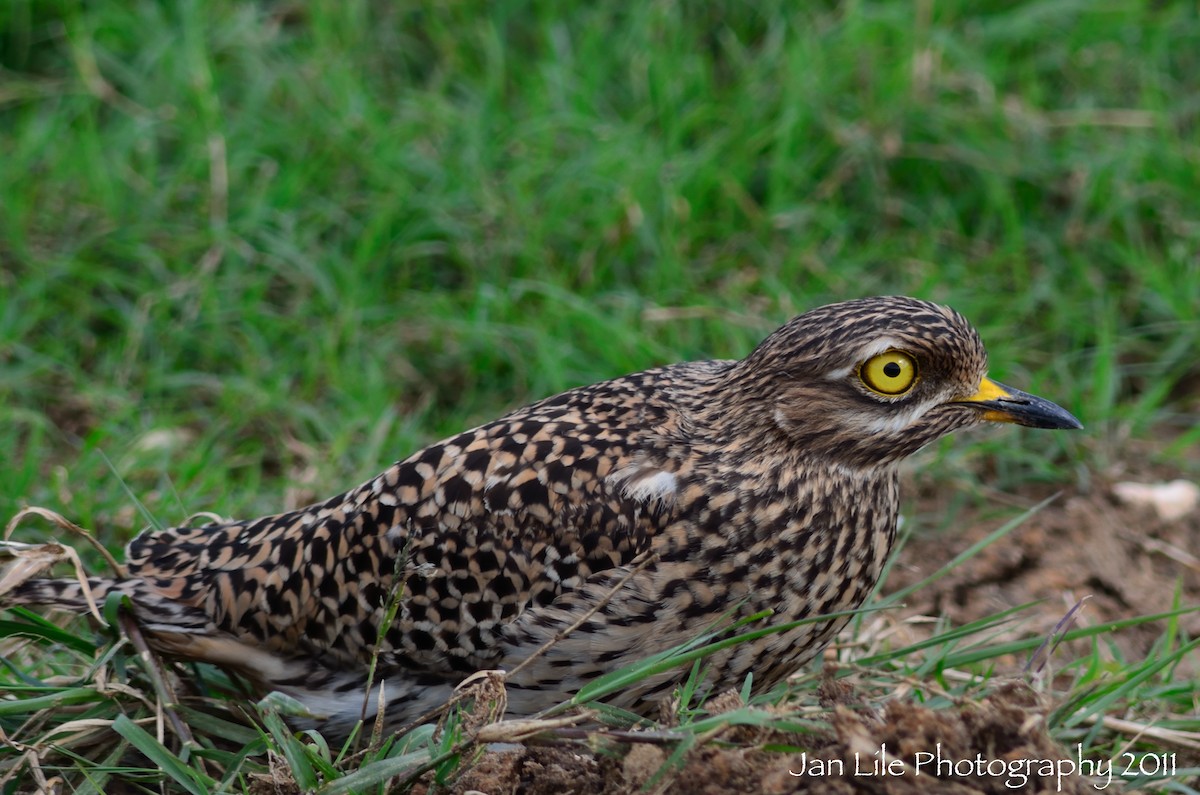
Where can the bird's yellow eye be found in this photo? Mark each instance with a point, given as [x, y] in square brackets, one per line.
[892, 373]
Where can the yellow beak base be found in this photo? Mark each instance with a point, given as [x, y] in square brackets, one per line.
[1000, 403]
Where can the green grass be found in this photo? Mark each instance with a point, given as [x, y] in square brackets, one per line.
[250, 253]
[354, 228]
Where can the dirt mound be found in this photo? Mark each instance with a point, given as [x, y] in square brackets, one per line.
[996, 746]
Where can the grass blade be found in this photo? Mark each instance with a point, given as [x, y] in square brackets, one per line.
[190, 779]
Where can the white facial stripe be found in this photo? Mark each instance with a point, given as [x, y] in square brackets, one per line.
[893, 421]
[839, 374]
[874, 348]
[878, 346]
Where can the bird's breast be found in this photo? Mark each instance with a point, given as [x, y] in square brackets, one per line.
[801, 542]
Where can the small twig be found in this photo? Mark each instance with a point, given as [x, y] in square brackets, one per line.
[166, 694]
[11, 743]
[107, 688]
[31, 560]
[429, 715]
[63, 523]
[654, 737]
[461, 696]
[1176, 737]
[30, 760]
[516, 731]
[1180, 556]
[583, 619]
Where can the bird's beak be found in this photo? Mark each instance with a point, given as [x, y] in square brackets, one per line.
[1001, 403]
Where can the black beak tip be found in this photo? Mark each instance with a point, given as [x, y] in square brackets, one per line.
[1036, 412]
[1064, 422]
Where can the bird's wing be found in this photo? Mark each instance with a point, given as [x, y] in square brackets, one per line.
[458, 539]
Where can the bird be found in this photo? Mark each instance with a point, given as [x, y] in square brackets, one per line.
[634, 512]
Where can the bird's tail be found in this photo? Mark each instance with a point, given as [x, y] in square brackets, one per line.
[153, 610]
[172, 628]
[77, 595]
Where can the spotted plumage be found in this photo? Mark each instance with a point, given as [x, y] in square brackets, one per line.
[726, 487]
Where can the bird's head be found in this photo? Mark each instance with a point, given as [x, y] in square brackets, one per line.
[870, 381]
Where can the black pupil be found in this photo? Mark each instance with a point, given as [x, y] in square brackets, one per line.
[891, 369]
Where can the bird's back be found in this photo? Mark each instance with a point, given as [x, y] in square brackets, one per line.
[459, 539]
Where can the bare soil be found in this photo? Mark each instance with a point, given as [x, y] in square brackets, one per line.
[1005, 726]
[1121, 561]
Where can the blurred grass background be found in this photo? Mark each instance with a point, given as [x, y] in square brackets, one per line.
[252, 252]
